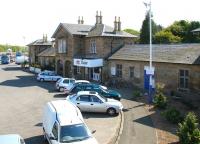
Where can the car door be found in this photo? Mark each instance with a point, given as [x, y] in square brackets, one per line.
[97, 105]
[76, 89]
[83, 103]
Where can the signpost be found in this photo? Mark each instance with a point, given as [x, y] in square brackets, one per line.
[150, 71]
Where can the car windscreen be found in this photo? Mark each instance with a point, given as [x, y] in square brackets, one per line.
[73, 133]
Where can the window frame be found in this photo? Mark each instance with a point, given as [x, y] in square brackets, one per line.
[62, 45]
[119, 70]
[131, 71]
[185, 79]
[93, 49]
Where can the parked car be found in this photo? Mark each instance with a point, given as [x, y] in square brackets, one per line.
[5, 59]
[90, 101]
[102, 90]
[65, 84]
[21, 59]
[48, 76]
[11, 139]
[63, 124]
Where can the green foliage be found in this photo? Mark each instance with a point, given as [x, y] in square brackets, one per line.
[179, 31]
[160, 100]
[3, 48]
[166, 37]
[144, 32]
[132, 31]
[136, 93]
[172, 115]
[188, 131]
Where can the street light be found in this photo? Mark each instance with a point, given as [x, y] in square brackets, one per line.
[151, 70]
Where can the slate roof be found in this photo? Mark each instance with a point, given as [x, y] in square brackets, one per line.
[40, 42]
[49, 52]
[180, 53]
[91, 31]
[104, 30]
[196, 30]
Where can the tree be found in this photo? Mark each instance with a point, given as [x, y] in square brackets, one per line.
[188, 131]
[133, 32]
[183, 30]
[166, 37]
[144, 32]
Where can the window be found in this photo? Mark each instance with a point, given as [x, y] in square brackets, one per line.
[131, 72]
[77, 70]
[84, 98]
[119, 70]
[62, 46]
[55, 131]
[95, 99]
[93, 46]
[183, 78]
[66, 81]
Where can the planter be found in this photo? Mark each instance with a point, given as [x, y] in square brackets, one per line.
[37, 70]
[31, 69]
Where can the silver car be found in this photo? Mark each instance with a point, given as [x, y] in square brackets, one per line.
[89, 101]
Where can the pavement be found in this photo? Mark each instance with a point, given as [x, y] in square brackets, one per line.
[22, 99]
[137, 127]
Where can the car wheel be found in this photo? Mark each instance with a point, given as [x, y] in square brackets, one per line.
[111, 111]
[61, 89]
[41, 79]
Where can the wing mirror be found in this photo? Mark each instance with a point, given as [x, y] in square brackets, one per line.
[93, 131]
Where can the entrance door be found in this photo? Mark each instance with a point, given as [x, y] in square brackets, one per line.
[94, 74]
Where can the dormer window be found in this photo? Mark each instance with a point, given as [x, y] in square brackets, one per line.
[62, 46]
[93, 46]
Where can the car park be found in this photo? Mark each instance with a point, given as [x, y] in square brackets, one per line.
[48, 76]
[11, 139]
[63, 123]
[90, 101]
[102, 90]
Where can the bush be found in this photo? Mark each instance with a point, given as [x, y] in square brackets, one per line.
[188, 131]
[136, 93]
[160, 100]
[172, 115]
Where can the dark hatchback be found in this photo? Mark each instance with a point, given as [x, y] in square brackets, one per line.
[97, 88]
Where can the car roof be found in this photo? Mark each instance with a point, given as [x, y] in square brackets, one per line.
[87, 93]
[67, 112]
[68, 78]
[10, 139]
[79, 81]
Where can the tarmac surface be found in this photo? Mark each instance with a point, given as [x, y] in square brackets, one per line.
[22, 99]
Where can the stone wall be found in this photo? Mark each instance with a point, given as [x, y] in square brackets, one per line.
[164, 73]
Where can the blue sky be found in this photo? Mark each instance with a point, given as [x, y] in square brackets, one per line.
[23, 21]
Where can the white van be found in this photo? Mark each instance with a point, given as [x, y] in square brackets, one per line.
[63, 123]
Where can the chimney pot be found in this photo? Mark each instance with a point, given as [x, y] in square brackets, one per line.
[82, 21]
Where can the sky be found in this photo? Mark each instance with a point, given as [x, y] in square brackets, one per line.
[24, 21]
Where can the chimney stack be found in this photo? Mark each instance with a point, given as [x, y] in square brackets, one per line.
[82, 21]
[98, 18]
[79, 21]
[115, 24]
[44, 38]
[119, 24]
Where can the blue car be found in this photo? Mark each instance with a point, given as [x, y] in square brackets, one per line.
[11, 139]
[5, 59]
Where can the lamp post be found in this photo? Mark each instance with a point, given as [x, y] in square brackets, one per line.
[151, 70]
